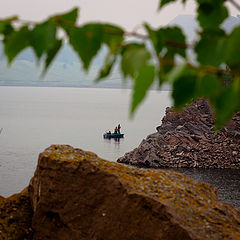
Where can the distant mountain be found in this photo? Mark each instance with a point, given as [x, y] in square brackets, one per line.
[190, 25]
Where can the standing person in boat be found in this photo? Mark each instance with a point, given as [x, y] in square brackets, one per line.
[116, 130]
[119, 127]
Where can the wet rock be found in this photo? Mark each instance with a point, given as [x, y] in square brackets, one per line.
[16, 217]
[76, 195]
[191, 130]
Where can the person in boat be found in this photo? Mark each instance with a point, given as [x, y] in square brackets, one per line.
[109, 134]
[119, 127]
[116, 130]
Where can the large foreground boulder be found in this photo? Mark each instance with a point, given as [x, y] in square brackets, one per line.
[76, 195]
[187, 139]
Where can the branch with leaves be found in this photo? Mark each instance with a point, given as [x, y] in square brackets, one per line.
[217, 54]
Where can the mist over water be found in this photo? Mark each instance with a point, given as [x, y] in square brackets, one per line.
[33, 118]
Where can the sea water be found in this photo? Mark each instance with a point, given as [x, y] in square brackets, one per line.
[33, 118]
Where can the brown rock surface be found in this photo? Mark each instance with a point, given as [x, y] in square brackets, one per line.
[76, 195]
[15, 217]
[187, 139]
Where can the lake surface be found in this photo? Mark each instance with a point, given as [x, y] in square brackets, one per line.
[33, 118]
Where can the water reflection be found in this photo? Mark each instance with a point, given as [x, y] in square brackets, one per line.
[117, 140]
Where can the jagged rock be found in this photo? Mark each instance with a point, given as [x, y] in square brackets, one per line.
[16, 217]
[187, 139]
[76, 195]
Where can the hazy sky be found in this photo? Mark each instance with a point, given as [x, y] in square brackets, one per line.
[127, 13]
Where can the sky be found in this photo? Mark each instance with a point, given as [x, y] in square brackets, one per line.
[129, 14]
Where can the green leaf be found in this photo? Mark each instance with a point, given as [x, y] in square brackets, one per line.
[166, 64]
[67, 20]
[233, 50]
[165, 2]
[86, 41]
[175, 73]
[167, 42]
[43, 37]
[2, 26]
[51, 54]
[6, 25]
[134, 57]
[226, 104]
[6, 28]
[16, 42]
[211, 47]
[211, 13]
[156, 38]
[142, 84]
[106, 69]
[171, 39]
[113, 37]
[184, 88]
[208, 86]
[69, 17]
[174, 41]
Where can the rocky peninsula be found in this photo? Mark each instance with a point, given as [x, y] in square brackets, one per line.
[187, 139]
[77, 195]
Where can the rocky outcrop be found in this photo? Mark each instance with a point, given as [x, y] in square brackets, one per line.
[76, 195]
[16, 217]
[187, 139]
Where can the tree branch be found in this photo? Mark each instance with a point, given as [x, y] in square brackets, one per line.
[126, 34]
[137, 35]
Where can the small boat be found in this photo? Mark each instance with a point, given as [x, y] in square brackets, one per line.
[113, 135]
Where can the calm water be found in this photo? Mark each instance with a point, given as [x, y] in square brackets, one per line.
[34, 118]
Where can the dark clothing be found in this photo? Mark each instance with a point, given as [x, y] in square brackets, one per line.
[119, 127]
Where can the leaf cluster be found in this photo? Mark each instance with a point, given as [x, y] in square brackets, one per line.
[215, 76]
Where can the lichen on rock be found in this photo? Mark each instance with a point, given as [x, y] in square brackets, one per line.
[77, 195]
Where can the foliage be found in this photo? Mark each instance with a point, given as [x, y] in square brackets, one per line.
[217, 53]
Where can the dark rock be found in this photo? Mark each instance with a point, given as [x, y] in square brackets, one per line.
[191, 130]
[16, 217]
